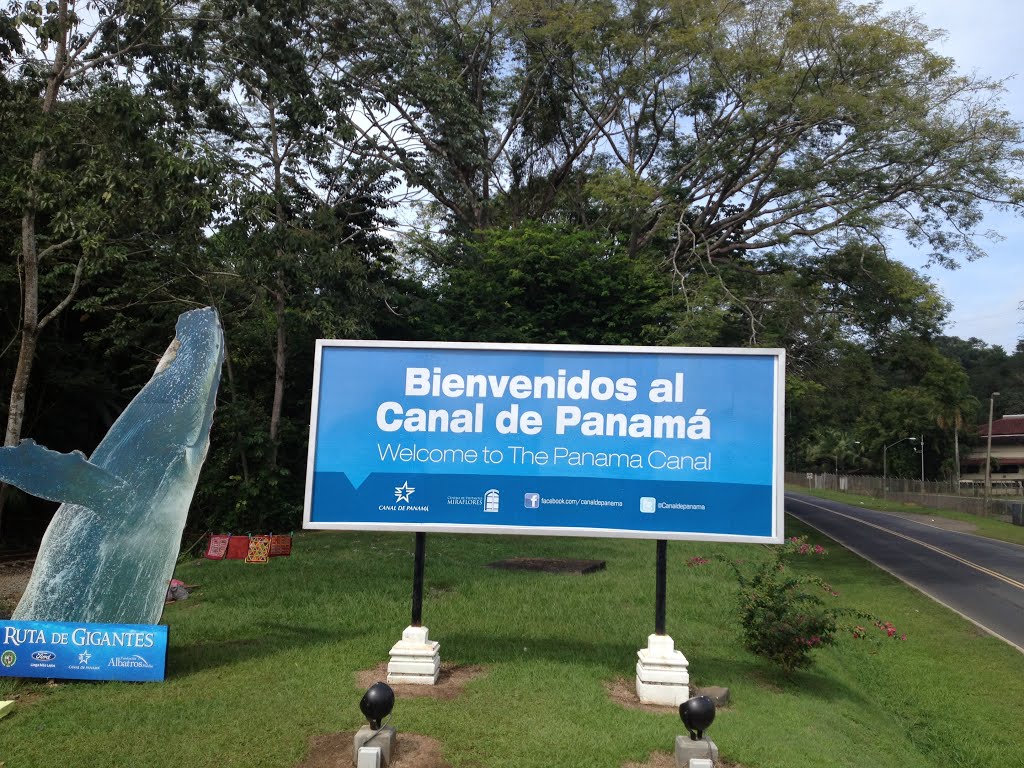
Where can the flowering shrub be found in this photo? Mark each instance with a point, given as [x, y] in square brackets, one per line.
[783, 618]
[859, 633]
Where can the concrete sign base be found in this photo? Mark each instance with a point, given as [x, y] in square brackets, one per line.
[415, 659]
[662, 675]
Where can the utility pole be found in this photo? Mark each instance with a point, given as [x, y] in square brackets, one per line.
[988, 451]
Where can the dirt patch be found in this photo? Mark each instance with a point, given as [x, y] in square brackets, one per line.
[659, 759]
[549, 565]
[14, 576]
[334, 750]
[623, 692]
[449, 685]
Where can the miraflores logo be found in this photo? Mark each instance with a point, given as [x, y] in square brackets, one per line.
[465, 501]
[8, 658]
[492, 500]
[403, 492]
[136, 661]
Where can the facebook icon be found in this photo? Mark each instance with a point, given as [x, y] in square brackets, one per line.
[531, 501]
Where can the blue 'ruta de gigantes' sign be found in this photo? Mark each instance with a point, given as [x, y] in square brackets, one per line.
[645, 442]
[73, 651]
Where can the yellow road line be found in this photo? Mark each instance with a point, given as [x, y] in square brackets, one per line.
[932, 547]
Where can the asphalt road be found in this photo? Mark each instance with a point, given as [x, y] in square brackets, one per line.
[981, 579]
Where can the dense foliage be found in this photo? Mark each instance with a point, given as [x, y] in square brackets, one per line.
[693, 172]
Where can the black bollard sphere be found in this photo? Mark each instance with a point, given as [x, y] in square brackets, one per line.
[697, 715]
[377, 703]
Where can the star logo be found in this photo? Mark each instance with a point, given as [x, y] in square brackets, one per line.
[83, 657]
[403, 492]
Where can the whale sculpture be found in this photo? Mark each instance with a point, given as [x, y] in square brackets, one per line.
[111, 547]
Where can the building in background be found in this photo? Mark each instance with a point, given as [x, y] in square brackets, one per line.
[1007, 457]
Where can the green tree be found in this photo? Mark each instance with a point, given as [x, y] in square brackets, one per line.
[733, 127]
[299, 249]
[85, 145]
[540, 283]
[989, 369]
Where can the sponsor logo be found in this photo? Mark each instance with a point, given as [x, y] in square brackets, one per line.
[465, 501]
[648, 504]
[44, 655]
[531, 500]
[7, 658]
[134, 662]
[492, 500]
[403, 492]
[83, 657]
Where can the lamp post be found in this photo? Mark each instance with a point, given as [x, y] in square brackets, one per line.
[885, 463]
[988, 450]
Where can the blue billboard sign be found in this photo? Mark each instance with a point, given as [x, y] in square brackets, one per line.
[644, 442]
[72, 651]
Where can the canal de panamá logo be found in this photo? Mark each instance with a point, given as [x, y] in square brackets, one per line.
[7, 658]
[403, 492]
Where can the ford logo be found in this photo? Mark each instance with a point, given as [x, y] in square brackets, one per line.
[44, 655]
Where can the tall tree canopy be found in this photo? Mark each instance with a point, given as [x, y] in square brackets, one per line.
[694, 172]
[735, 126]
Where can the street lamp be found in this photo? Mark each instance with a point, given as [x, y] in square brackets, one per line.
[988, 451]
[885, 462]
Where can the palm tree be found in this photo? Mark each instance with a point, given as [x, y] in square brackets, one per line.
[832, 446]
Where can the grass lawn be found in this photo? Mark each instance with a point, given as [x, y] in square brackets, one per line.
[985, 526]
[264, 657]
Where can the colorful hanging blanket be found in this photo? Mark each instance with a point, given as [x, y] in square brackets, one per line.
[280, 545]
[238, 548]
[217, 547]
[259, 549]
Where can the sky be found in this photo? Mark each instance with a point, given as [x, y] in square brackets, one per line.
[983, 36]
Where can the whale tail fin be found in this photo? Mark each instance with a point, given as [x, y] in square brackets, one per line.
[62, 477]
